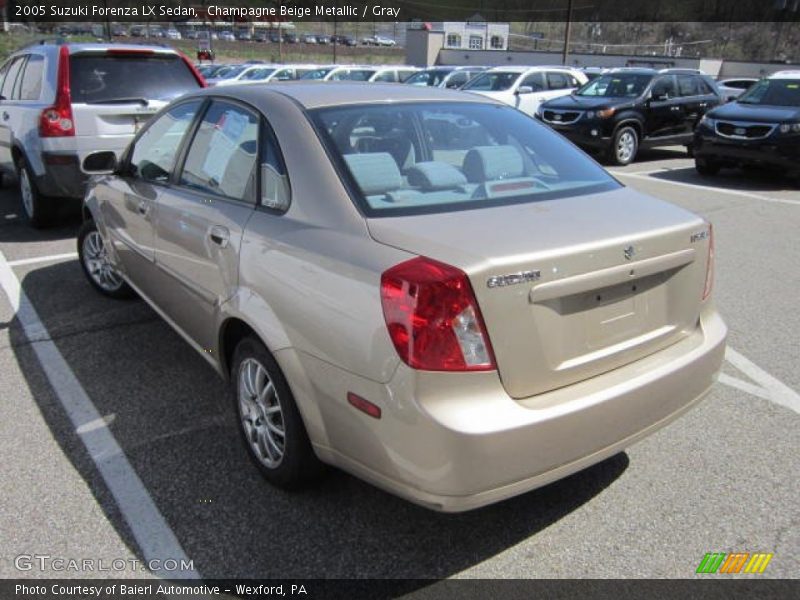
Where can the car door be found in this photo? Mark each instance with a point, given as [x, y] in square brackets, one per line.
[665, 115]
[9, 113]
[201, 218]
[130, 202]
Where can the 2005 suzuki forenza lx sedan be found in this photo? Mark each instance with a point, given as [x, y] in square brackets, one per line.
[425, 288]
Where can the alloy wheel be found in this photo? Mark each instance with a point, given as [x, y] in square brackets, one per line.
[261, 414]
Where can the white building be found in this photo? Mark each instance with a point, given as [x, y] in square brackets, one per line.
[473, 35]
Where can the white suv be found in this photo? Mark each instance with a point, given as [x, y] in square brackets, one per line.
[61, 102]
[526, 88]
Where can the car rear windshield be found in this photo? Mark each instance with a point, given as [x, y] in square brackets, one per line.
[97, 78]
[494, 81]
[773, 92]
[439, 157]
[616, 86]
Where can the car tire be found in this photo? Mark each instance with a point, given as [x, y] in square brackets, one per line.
[36, 207]
[690, 151]
[93, 258]
[269, 422]
[705, 167]
[625, 146]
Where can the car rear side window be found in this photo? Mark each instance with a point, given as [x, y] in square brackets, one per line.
[275, 191]
[112, 77]
[222, 156]
[688, 85]
[153, 154]
[32, 78]
[11, 77]
[557, 81]
[665, 87]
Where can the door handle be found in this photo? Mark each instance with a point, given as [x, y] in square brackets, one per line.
[675, 108]
[6, 116]
[219, 235]
[143, 208]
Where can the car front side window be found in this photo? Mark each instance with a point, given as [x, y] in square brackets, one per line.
[153, 155]
[222, 156]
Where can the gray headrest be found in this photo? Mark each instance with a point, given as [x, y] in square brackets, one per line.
[487, 163]
[375, 172]
[434, 175]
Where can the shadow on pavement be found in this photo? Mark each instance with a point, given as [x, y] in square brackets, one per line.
[166, 413]
[745, 180]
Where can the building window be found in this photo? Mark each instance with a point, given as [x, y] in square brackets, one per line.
[453, 40]
[476, 42]
[497, 42]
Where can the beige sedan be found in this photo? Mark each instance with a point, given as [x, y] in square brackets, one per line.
[425, 288]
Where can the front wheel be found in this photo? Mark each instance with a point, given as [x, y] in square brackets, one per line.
[96, 265]
[706, 167]
[269, 422]
[625, 146]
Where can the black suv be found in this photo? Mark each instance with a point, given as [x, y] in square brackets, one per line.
[761, 128]
[625, 109]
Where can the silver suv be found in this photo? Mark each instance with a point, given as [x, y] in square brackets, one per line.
[60, 102]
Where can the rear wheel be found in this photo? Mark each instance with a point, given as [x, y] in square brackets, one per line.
[269, 422]
[706, 167]
[96, 265]
[36, 207]
[625, 146]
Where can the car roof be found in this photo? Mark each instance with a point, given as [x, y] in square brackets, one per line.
[791, 74]
[526, 68]
[317, 94]
[81, 47]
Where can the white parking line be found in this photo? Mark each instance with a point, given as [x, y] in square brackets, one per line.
[645, 175]
[41, 259]
[152, 533]
[773, 389]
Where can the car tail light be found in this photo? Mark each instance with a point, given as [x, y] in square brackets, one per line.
[433, 318]
[56, 120]
[709, 264]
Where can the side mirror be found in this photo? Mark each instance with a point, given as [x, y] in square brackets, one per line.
[660, 97]
[524, 89]
[100, 163]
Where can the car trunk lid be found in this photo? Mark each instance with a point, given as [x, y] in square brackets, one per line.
[569, 288]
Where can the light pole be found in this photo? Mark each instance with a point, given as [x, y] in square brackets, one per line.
[567, 33]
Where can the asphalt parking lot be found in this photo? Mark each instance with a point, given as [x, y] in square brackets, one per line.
[723, 478]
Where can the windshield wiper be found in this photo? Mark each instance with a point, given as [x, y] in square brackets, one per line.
[142, 101]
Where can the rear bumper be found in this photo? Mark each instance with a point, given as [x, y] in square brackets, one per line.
[58, 166]
[774, 151]
[454, 442]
